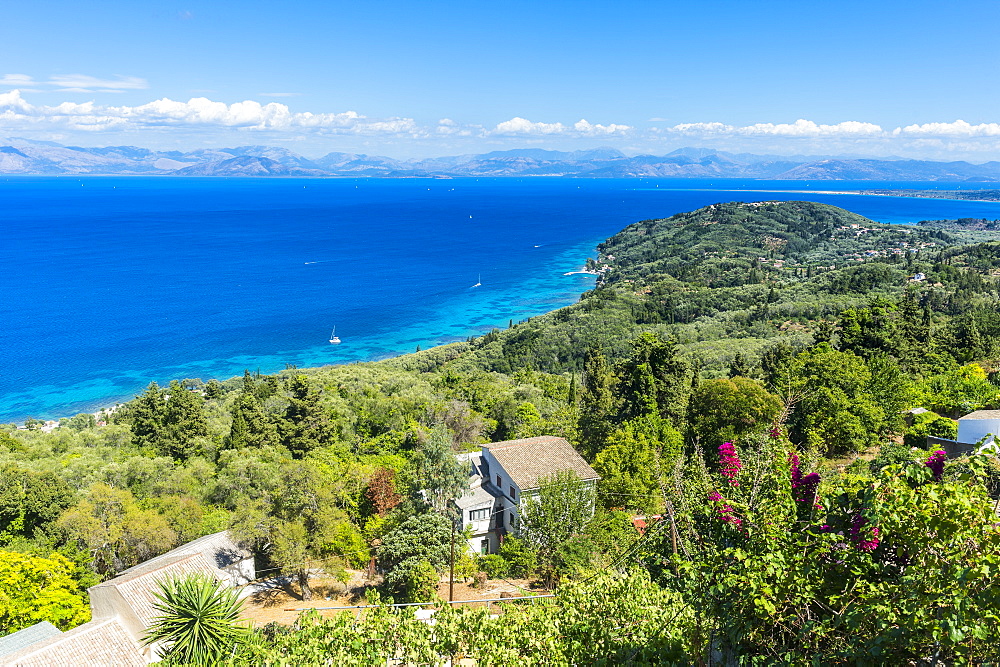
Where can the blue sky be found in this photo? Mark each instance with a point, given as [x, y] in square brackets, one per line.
[410, 79]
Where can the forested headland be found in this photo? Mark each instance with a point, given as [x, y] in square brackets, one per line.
[744, 371]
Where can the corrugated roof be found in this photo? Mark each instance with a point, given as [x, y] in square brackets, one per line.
[27, 636]
[983, 414]
[94, 644]
[219, 549]
[139, 583]
[531, 459]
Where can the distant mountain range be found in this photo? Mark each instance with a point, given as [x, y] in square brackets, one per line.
[22, 156]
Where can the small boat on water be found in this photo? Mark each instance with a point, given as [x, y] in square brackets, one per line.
[479, 280]
[333, 337]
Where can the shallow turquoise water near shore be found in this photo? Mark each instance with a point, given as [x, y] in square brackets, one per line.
[112, 282]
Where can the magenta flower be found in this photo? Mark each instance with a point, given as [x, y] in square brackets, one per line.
[803, 488]
[806, 491]
[776, 432]
[729, 463]
[857, 535]
[936, 463]
[796, 472]
[725, 511]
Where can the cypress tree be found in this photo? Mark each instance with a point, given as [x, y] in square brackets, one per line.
[145, 415]
[306, 425]
[184, 421]
[598, 403]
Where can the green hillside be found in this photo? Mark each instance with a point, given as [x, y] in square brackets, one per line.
[743, 368]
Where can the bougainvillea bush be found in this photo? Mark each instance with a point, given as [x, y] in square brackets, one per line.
[783, 566]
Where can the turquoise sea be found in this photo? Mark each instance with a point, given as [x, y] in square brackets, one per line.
[111, 282]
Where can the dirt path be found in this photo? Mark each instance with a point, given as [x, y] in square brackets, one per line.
[272, 605]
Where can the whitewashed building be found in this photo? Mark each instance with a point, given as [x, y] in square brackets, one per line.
[503, 475]
[977, 425]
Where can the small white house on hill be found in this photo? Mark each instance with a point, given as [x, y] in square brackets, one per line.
[977, 425]
[502, 475]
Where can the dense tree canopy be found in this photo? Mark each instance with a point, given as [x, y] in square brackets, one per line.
[792, 331]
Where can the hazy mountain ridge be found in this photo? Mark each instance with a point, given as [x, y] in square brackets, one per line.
[21, 156]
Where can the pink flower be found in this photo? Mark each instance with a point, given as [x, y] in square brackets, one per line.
[729, 463]
[936, 463]
[806, 491]
[725, 511]
[858, 524]
[803, 488]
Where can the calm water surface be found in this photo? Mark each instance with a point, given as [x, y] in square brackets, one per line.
[109, 283]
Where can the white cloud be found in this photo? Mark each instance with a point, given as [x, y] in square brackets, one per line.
[85, 83]
[701, 128]
[518, 125]
[807, 128]
[446, 127]
[16, 80]
[199, 112]
[583, 127]
[800, 128]
[75, 83]
[201, 118]
[959, 128]
[522, 126]
[12, 102]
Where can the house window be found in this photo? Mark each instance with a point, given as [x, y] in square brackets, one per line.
[513, 492]
[484, 547]
[479, 515]
[499, 482]
[511, 524]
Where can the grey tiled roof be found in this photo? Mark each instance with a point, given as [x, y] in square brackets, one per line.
[94, 644]
[219, 549]
[108, 639]
[27, 636]
[529, 460]
[137, 585]
[983, 414]
[478, 496]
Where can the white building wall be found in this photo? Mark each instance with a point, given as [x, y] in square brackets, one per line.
[971, 431]
[241, 572]
[478, 525]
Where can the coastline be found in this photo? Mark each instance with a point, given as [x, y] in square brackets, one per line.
[466, 313]
[139, 318]
[936, 194]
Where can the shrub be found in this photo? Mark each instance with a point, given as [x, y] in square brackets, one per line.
[493, 565]
[929, 424]
[521, 560]
[893, 454]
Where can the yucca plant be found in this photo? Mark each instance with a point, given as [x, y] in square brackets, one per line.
[199, 621]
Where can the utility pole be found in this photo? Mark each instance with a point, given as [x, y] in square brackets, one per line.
[451, 574]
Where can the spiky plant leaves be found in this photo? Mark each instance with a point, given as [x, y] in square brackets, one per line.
[199, 621]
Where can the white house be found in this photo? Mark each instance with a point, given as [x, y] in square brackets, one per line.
[977, 425]
[502, 475]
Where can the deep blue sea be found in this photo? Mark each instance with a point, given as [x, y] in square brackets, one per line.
[108, 283]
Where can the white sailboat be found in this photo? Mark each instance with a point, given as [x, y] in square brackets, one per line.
[333, 337]
[479, 280]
